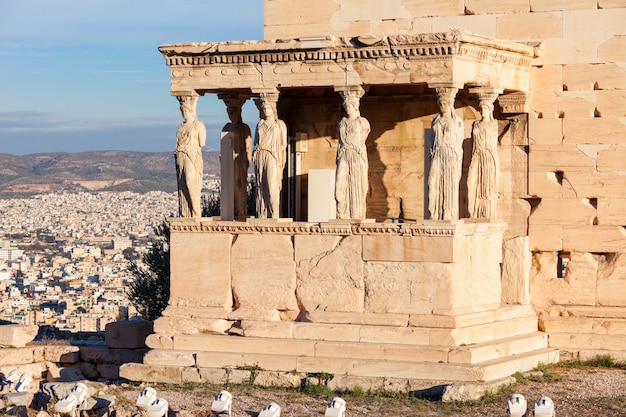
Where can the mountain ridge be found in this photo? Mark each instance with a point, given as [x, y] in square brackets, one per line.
[25, 175]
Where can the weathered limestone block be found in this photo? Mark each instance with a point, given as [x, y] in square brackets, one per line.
[608, 4]
[19, 399]
[594, 239]
[319, 331]
[611, 289]
[407, 287]
[598, 185]
[184, 325]
[613, 50]
[595, 24]
[170, 358]
[612, 159]
[332, 280]
[565, 51]
[558, 5]
[34, 370]
[254, 314]
[547, 78]
[191, 375]
[611, 211]
[412, 248]
[479, 24]
[62, 354]
[603, 129]
[612, 103]
[545, 131]
[553, 211]
[594, 76]
[127, 334]
[486, 6]
[370, 319]
[17, 335]
[545, 238]
[555, 105]
[277, 379]
[103, 354]
[263, 272]
[63, 374]
[310, 246]
[516, 262]
[151, 373]
[196, 312]
[566, 158]
[160, 341]
[16, 356]
[275, 329]
[515, 212]
[200, 272]
[577, 287]
[527, 25]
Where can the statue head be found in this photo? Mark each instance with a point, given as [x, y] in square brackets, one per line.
[233, 107]
[266, 103]
[188, 107]
[445, 99]
[352, 100]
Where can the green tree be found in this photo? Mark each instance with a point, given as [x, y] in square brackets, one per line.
[212, 203]
[149, 291]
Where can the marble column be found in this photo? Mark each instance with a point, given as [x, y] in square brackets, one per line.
[235, 157]
[446, 158]
[190, 138]
[269, 155]
[351, 176]
[484, 172]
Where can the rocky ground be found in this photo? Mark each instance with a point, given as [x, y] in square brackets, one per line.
[576, 391]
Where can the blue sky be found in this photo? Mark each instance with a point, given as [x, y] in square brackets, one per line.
[86, 75]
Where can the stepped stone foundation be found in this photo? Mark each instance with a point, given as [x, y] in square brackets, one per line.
[380, 305]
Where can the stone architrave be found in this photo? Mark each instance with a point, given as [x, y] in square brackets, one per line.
[484, 171]
[351, 179]
[269, 156]
[190, 138]
[236, 156]
[446, 158]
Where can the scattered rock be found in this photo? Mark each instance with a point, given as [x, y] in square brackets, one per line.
[17, 335]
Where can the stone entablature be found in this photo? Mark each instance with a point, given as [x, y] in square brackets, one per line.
[456, 58]
[421, 228]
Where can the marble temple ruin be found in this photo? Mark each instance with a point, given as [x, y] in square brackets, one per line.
[443, 197]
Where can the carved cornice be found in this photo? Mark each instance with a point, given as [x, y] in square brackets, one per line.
[417, 46]
[290, 59]
[425, 228]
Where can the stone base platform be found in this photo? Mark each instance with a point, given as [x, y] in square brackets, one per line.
[585, 332]
[497, 344]
[379, 305]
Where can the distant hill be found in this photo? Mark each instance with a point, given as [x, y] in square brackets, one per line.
[140, 172]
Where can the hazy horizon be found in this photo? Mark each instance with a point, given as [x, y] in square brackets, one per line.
[89, 77]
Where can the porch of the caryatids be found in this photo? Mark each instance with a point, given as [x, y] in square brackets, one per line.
[235, 158]
[190, 138]
[351, 175]
[446, 158]
[484, 171]
[269, 155]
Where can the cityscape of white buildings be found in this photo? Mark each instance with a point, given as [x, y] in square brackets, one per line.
[64, 256]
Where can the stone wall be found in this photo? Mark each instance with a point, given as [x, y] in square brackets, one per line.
[575, 199]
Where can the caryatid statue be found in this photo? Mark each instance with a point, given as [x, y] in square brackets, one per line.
[446, 158]
[190, 138]
[269, 156]
[241, 145]
[351, 177]
[484, 171]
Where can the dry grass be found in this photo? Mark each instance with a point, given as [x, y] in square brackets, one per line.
[577, 389]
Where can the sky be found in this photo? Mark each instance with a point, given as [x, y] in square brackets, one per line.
[86, 75]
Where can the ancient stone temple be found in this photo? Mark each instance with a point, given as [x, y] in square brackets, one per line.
[489, 137]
